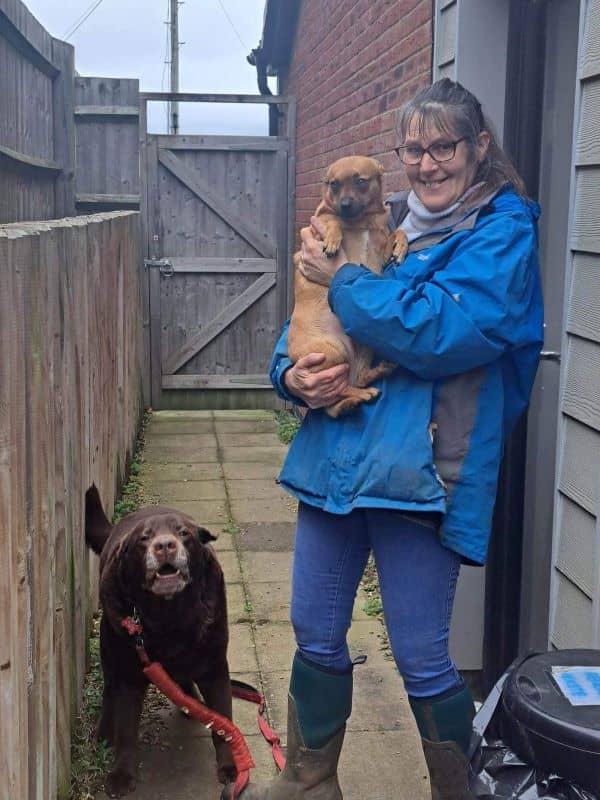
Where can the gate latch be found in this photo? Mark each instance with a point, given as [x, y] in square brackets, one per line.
[164, 265]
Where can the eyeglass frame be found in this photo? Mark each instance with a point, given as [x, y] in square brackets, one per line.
[398, 150]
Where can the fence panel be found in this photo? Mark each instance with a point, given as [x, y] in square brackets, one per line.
[107, 143]
[69, 362]
[36, 119]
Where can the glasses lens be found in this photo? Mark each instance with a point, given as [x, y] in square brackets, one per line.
[442, 151]
[411, 154]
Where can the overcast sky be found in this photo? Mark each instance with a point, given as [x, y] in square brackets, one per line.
[127, 39]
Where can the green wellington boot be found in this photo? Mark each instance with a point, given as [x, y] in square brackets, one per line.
[319, 703]
[445, 724]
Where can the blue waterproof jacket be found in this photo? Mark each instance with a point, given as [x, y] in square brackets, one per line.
[462, 317]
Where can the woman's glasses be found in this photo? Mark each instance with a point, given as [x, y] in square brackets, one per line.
[411, 154]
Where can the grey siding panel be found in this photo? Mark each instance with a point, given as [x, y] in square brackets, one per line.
[590, 55]
[580, 466]
[573, 625]
[581, 394]
[576, 554]
[576, 580]
[588, 144]
[585, 233]
[446, 34]
[584, 310]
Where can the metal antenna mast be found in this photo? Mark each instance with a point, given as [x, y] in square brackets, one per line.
[174, 85]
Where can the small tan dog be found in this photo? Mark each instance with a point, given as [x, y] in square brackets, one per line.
[356, 219]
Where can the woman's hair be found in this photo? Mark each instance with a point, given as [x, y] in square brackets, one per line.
[457, 112]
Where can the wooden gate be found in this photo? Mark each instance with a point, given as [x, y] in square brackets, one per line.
[216, 213]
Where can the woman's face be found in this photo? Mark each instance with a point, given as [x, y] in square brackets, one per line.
[440, 184]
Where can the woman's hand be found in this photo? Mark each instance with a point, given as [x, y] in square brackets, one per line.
[315, 266]
[316, 389]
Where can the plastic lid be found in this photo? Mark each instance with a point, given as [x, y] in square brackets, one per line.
[532, 696]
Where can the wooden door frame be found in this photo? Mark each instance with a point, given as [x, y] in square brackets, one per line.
[149, 248]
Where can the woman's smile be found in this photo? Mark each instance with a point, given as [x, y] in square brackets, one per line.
[440, 184]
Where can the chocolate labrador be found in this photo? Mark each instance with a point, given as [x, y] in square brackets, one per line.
[157, 562]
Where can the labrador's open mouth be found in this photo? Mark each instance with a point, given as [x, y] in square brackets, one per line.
[168, 580]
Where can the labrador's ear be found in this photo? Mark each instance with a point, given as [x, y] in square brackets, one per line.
[97, 526]
[206, 536]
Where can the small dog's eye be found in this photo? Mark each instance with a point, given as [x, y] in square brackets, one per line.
[334, 186]
[361, 181]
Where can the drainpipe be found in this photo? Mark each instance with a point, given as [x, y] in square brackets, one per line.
[258, 60]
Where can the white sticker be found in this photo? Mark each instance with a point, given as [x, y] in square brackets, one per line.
[580, 685]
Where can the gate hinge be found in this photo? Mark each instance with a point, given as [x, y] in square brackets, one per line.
[550, 355]
[164, 265]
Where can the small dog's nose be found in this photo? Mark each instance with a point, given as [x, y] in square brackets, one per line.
[164, 547]
[346, 202]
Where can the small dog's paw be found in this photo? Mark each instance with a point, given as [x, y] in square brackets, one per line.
[119, 783]
[226, 773]
[332, 244]
[400, 245]
[370, 394]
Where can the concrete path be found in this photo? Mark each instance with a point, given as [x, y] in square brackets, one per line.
[221, 467]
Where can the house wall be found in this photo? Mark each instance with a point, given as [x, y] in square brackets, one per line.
[575, 611]
[353, 65]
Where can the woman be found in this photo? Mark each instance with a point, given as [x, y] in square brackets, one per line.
[411, 477]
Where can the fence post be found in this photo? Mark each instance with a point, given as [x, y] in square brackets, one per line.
[64, 128]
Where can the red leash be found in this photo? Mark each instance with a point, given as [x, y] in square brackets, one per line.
[216, 723]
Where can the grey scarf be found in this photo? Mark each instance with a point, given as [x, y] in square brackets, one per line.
[419, 220]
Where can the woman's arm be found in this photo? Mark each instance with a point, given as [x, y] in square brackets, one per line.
[485, 301]
[297, 383]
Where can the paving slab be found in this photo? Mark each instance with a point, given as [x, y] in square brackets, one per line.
[268, 425]
[174, 491]
[204, 511]
[245, 414]
[244, 440]
[383, 765]
[256, 489]
[265, 454]
[164, 427]
[261, 567]
[235, 470]
[230, 565]
[267, 537]
[152, 472]
[247, 510]
[177, 453]
[222, 467]
[180, 439]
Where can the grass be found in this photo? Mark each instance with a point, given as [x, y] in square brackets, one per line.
[370, 585]
[131, 492]
[288, 425]
[90, 759]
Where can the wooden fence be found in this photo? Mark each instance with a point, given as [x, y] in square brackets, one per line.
[37, 151]
[70, 402]
[107, 148]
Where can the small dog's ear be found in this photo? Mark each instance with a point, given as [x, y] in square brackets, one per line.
[206, 536]
[379, 166]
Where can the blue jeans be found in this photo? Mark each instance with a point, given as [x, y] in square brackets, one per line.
[417, 576]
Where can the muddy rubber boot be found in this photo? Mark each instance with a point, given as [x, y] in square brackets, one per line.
[319, 703]
[445, 725]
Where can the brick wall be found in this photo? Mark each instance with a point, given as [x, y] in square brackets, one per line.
[355, 62]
